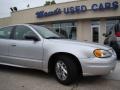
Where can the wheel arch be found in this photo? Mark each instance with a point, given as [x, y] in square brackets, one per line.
[51, 61]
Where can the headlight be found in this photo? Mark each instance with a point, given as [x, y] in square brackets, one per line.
[100, 53]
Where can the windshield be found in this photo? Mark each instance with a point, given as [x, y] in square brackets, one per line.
[46, 33]
[119, 43]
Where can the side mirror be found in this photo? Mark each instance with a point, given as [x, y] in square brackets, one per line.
[31, 38]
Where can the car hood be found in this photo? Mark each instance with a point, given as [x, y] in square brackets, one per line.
[77, 43]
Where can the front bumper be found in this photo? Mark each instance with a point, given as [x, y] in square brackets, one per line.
[98, 66]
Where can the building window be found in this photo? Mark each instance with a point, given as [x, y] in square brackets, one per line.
[113, 26]
[95, 29]
[67, 30]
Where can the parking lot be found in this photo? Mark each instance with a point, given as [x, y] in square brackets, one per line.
[26, 79]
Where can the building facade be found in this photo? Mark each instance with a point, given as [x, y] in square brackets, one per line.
[85, 20]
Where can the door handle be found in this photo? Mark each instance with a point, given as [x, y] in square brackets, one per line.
[13, 45]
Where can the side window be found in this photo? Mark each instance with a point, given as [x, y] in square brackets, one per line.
[5, 32]
[22, 31]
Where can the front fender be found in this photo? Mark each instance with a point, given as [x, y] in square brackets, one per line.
[50, 50]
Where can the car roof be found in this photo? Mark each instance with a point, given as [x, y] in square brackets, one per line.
[28, 25]
[16, 25]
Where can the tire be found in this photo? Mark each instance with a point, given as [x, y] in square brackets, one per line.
[66, 71]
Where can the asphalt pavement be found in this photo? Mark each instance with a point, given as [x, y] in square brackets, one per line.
[115, 75]
[26, 79]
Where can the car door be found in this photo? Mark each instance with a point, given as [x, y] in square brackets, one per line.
[26, 52]
[5, 38]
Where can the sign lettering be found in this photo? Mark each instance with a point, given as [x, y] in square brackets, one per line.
[79, 9]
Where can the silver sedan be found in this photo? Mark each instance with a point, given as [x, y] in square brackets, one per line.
[32, 46]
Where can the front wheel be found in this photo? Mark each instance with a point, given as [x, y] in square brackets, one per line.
[66, 70]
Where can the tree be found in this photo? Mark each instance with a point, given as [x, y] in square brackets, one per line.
[53, 2]
[49, 3]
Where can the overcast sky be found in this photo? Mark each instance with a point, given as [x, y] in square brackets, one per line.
[21, 4]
